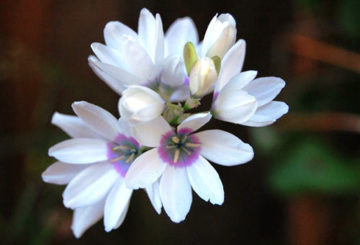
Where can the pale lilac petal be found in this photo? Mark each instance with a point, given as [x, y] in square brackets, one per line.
[224, 148]
[231, 64]
[267, 114]
[84, 217]
[73, 126]
[145, 170]
[80, 151]
[173, 72]
[195, 121]
[180, 32]
[175, 193]
[61, 173]
[147, 31]
[265, 89]
[90, 185]
[124, 77]
[160, 42]
[113, 82]
[113, 32]
[116, 205]
[98, 119]
[154, 195]
[205, 181]
[150, 133]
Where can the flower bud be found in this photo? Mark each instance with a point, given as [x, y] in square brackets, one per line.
[220, 36]
[202, 77]
[140, 104]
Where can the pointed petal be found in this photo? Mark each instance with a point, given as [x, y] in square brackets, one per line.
[98, 119]
[205, 181]
[145, 170]
[80, 151]
[231, 64]
[113, 82]
[175, 193]
[154, 195]
[108, 55]
[73, 126]
[118, 75]
[147, 31]
[267, 114]
[84, 217]
[113, 32]
[150, 133]
[61, 173]
[224, 148]
[265, 89]
[90, 186]
[116, 205]
[195, 121]
[180, 32]
[242, 79]
[159, 41]
[209, 37]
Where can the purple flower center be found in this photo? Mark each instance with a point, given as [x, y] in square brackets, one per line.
[122, 152]
[179, 150]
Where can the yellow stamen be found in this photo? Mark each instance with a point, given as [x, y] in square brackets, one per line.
[186, 151]
[175, 139]
[192, 145]
[121, 147]
[176, 155]
[130, 158]
[117, 159]
[184, 139]
[170, 146]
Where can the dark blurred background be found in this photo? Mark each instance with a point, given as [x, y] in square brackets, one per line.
[303, 185]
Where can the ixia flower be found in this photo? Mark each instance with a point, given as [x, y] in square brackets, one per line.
[148, 57]
[94, 164]
[179, 163]
[240, 98]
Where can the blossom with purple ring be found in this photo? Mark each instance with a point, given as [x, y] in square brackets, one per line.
[179, 150]
[122, 152]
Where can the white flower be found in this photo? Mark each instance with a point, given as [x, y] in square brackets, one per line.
[202, 77]
[146, 58]
[93, 165]
[140, 103]
[178, 161]
[219, 37]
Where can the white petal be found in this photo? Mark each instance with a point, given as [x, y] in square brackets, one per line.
[140, 104]
[150, 133]
[145, 170]
[242, 79]
[113, 82]
[180, 94]
[234, 104]
[154, 195]
[160, 44]
[138, 61]
[180, 32]
[113, 32]
[147, 31]
[108, 55]
[173, 72]
[118, 75]
[98, 119]
[175, 193]
[223, 43]
[205, 181]
[231, 64]
[195, 121]
[84, 217]
[224, 148]
[61, 173]
[265, 89]
[210, 36]
[267, 114]
[80, 151]
[116, 205]
[90, 185]
[73, 126]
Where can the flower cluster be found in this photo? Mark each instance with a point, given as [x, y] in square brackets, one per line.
[156, 145]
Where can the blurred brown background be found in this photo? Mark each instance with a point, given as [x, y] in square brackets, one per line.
[302, 187]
